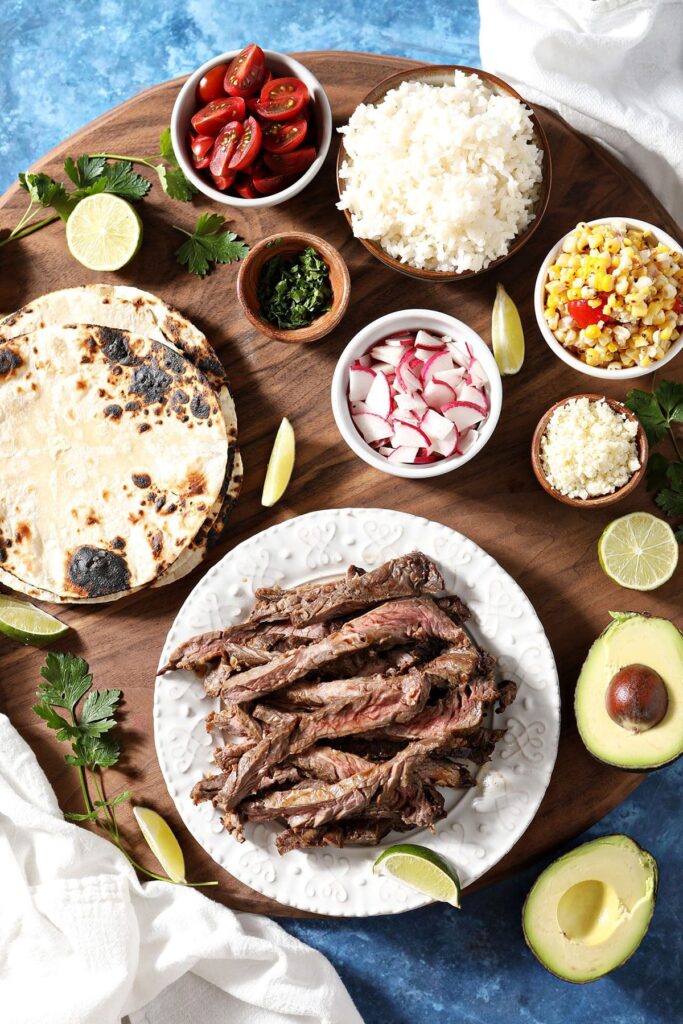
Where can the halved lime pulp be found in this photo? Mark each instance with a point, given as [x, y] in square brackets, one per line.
[507, 334]
[638, 551]
[280, 465]
[422, 870]
[161, 842]
[22, 621]
[103, 232]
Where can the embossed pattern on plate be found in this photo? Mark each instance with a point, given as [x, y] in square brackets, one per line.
[482, 824]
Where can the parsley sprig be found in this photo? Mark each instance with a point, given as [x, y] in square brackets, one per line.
[93, 173]
[209, 243]
[86, 723]
[661, 412]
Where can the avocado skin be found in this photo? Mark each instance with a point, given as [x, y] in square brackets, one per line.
[655, 890]
[619, 617]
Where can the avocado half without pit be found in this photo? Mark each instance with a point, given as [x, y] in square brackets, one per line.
[629, 697]
[588, 912]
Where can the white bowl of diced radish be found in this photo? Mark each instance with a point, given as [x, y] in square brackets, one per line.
[416, 393]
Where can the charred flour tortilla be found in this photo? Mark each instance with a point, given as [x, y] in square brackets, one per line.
[126, 308]
[114, 456]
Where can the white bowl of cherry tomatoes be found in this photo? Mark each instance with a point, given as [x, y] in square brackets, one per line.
[251, 127]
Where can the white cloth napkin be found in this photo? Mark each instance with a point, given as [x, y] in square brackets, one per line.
[612, 68]
[82, 941]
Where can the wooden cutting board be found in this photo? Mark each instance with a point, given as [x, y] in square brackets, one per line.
[549, 548]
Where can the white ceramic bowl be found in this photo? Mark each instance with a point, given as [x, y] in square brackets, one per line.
[186, 105]
[412, 320]
[564, 354]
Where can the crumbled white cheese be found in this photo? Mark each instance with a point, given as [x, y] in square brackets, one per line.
[588, 449]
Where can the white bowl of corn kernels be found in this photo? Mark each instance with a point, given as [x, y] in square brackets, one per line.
[609, 298]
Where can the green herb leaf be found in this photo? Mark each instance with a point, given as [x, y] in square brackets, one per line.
[45, 191]
[98, 705]
[122, 798]
[121, 180]
[94, 752]
[670, 397]
[85, 171]
[175, 184]
[670, 501]
[208, 244]
[166, 149]
[293, 292]
[73, 816]
[648, 410]
[68, 678]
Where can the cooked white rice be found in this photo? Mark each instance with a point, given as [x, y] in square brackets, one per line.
[442, 177]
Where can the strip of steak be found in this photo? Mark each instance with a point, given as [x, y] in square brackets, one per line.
[398, 702]
[352, 832]
[451, 716]
[242, 641]
[407, 576]
[390, 625]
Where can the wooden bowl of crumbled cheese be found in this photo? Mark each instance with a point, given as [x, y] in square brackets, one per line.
[589, 451]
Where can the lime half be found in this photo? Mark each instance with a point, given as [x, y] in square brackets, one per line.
[280, 465]
[638, 551]
[103, 232]
[161, 842]
[507, 334]
[29, 625]
[422, 870]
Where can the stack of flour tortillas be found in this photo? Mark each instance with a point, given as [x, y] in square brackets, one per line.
[118, 439]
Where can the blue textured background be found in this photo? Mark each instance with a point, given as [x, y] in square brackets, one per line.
[65, 64]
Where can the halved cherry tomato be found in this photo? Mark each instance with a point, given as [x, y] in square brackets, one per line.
[266, 183]
[211, 84]
[281, 99]
[200, 145]
[282, 136]
[585, 315]
[225, 145]
[252, 104]
[296, 162]
[246, 72]
[211, 118]
[244, 187]
[678, 305]
[249, 146]
[223, 181]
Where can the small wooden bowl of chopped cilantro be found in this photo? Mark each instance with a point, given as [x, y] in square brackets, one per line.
[294, 287]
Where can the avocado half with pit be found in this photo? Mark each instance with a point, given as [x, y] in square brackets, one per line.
[629, 696]
[590, 910]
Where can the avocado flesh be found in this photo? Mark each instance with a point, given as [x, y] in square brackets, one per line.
[631, 640]
[589, 911]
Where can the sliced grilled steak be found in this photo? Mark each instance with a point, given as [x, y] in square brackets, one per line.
[241, 642]
[407, 576]
[451, 716]
[353, 832]
[398, 702]
[328, 764]
[455, 608]
[390, 625]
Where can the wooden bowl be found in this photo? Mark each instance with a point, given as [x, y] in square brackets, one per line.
[289, 244]
[604, 499]
[442, 74]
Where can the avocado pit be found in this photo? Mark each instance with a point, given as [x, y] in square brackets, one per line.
[636, 698]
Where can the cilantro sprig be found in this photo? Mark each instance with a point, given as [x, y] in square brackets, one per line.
[98, 172]
[209, 243]
[85, 718]
[661, 413]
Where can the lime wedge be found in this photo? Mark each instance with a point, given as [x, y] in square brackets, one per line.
[161, 842]
[27, 624]
[422, 870]
[103, 232]
[638, 551]
[507, 334]
[280, 465]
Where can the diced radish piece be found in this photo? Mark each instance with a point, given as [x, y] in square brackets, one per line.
[477, 375]
[427, 341]
[357, 407]
[364, 360]
[407, 381]
[468, 393]
[436, 427]
[463, 414]
[421, 460]
[453, 377]
[401, 337]
[403, 454]
[383, 367]
[372, 426]
[408, 434]
[448, 445]
[459, 354]
[360, 380]
[387, 354]
[416, 365]
[467, 441]
[437, 393]
[378, 399]
[383, 450]
[433, 367]
[414, 403]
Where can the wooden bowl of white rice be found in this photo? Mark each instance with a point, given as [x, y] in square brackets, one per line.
[443, 172]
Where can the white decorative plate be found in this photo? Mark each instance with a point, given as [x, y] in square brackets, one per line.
[482, 823]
